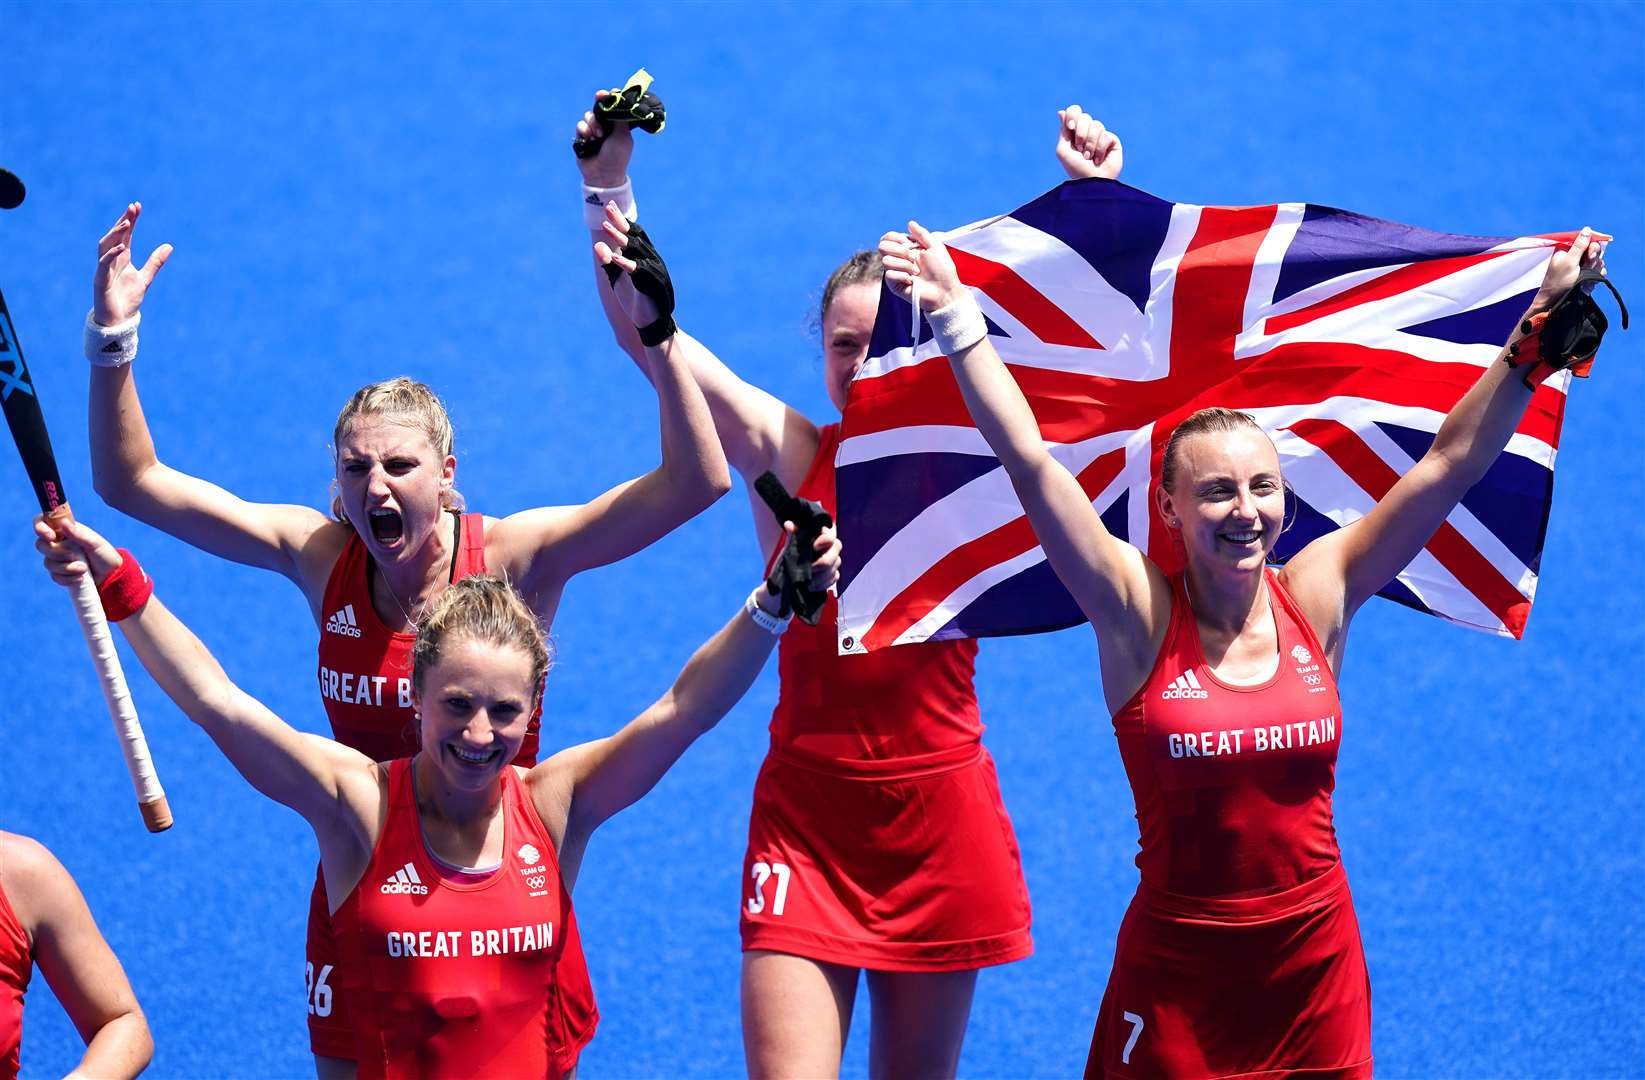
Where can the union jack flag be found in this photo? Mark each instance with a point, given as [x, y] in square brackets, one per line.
[1346, 337]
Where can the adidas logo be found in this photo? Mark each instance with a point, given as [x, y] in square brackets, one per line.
[342, 622]
[404, 880]
[1184, 686]
[1302, 655]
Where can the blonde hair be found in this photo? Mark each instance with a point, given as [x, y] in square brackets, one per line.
[484, 608]
[1212, 421]
[401, 399]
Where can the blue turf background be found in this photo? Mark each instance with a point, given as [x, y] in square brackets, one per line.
[357, 191]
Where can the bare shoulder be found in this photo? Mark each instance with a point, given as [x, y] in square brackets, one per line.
[1314, 581]
[552, 784]
[317, 548]
[36, 884]
[796, 447]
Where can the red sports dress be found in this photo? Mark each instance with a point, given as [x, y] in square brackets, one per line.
[453, 974]
[365, 682]
[878, 838]
[16, 965]
[1240, 954]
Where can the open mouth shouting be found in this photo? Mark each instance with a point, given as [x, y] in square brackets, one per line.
[387, 527]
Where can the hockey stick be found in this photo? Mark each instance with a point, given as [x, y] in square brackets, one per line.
[28, 428]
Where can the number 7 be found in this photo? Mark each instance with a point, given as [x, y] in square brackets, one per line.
[1134, 1019]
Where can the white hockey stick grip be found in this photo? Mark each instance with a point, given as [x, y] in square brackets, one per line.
[151, 799]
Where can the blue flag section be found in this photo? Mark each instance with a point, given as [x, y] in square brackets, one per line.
[362, 190]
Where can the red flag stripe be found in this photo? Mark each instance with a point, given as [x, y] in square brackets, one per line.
[1207, 312]
[1390, 284]
[969, 559]
[1071, 407]
[1464, 562]
[1027, 305]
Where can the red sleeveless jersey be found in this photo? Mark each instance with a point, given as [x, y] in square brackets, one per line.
[16, 965]
[365, 668]
[899, 707]
[450, 975]
[1233, 783]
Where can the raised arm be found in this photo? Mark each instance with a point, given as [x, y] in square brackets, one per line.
[582, 786]
[756, 430]
[78, 964]
[1338, 572]
[1121, 592]
[332, 786]
[542, 548]
[126, 470]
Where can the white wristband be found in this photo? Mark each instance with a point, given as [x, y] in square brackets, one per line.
[766, 621]
[111, 346]
[958, 325]
[595, 198]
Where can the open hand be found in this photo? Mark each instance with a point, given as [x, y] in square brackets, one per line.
[71, 549]
[1086, 148]
[118, 289]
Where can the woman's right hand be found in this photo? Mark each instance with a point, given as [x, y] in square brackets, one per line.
[117, 291]
[70, 549]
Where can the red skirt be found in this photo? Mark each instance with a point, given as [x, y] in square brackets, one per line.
[903, 872]
[1268, 986]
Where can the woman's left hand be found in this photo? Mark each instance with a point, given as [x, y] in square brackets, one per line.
[1587, 251]
[641, 311]
[919, 254]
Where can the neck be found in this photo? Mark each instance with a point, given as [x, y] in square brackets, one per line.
[1225, 599]
[439, 802]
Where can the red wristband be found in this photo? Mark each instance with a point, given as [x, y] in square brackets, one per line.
[125, 591]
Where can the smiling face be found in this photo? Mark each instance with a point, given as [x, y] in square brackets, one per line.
[846, 327]
[392, 484]
[475, 705]
[1227, 500]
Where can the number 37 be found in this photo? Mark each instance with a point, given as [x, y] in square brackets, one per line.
[761, 873]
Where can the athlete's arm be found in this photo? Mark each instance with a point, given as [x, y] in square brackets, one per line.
[543, 548]
[128, 473]
[78, 964]
[609, 774]
[757, 431]
[1121, 592]
[334, 787]
[1338, 572]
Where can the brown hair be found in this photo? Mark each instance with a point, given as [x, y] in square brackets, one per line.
[1204, 422]
[485, 608]
[863, 268]
[402, 399]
